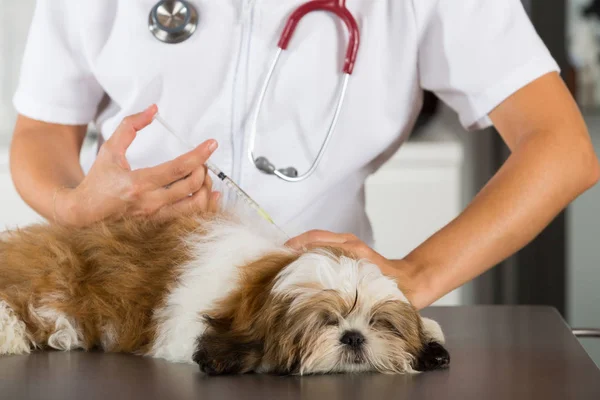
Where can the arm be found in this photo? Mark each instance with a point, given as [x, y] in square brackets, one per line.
[44, 157]
[552, 162]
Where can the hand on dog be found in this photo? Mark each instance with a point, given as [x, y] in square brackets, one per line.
[400, 270]
[112, 190]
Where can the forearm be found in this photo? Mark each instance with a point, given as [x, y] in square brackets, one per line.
[45, 157]
[543, 175]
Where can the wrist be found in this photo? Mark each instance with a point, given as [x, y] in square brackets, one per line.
[66, 207]
[416, 282]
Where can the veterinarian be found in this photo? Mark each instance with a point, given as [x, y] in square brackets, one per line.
[98, 61]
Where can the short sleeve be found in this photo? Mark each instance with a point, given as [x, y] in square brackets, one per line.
[56, 84]
[474, 54]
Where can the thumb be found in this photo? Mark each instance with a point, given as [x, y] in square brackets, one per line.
[122, 138]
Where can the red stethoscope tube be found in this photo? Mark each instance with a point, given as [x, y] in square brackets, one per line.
[337, 7]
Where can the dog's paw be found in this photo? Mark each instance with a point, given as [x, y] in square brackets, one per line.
[216, 364]
[209, 367]
[433, 356]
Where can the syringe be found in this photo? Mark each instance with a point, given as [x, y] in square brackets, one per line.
[221, 175]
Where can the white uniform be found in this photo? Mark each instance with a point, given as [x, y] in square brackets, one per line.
[96, 61]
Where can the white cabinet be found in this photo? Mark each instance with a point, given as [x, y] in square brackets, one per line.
[415, 194]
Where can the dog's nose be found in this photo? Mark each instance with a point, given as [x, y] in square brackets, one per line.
[353, 339]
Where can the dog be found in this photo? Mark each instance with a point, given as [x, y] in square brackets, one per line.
[208, 289]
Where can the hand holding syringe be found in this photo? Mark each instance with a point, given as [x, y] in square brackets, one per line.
[224, 178]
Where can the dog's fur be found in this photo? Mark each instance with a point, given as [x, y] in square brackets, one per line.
[209, 289]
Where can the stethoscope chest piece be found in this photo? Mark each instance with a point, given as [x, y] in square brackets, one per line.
[173, 21]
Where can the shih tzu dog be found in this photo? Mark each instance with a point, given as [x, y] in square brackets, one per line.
[207, 289]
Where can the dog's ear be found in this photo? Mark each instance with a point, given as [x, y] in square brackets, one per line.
[221, 350]
[431, 331]
[433, 355]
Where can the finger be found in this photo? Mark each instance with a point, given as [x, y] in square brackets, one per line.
[125, 133]
[214, 203]
[319, 236]
[174, 170]
[181, 189]
[308, 237]
[346, 247]
[195, 204]
[208, 182]
[201, 200]
[357, 249]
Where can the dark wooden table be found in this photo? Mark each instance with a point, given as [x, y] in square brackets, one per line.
[497, 353]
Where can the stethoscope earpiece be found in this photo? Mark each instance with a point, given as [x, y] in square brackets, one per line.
[290, 172]
[173, 21]
[264, 165]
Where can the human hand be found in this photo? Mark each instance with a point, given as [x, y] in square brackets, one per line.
[111, 190]
[403, 272]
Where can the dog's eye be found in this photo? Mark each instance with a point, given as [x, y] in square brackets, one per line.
[330, 320]
[384, 325]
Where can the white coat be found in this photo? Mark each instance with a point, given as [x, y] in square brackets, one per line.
[96, 61]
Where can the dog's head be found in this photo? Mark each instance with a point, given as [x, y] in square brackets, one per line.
[319, 312]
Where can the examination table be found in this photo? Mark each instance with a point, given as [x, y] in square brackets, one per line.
[497, 352]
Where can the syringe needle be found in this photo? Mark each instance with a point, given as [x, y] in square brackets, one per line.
[169, 129]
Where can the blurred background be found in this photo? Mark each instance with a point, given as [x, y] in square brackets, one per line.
[435, 175]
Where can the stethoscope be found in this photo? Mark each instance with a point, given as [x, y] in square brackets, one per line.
[174, 21]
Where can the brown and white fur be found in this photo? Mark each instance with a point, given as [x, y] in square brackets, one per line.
[211, 290]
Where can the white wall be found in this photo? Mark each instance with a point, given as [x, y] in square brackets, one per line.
[14, 25]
